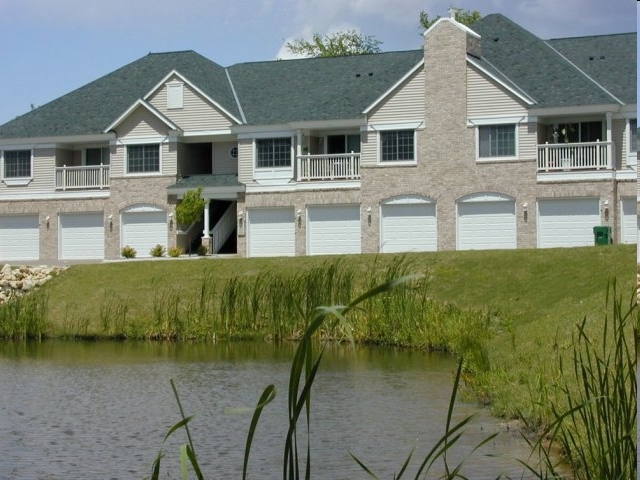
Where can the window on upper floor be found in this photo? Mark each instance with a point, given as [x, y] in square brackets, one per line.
[397, 146]
[143, 158]
[633, 130]
[17, 163]
[273, 152]
[497, 141]
[97, 156]
[343, 144]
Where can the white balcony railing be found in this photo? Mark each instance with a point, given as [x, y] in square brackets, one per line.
[343, 166]
[575, 156]
[82, 178]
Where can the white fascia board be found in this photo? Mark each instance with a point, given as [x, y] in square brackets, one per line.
[462, 27]
[141, 103]
[574, 110]
[191, 85]
[266, 131]
[498, 120]
[328, 124]
[51, 142]
[386, 94]
[376, 127]
[520, 94]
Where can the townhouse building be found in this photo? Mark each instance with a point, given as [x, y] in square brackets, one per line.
[485, 138]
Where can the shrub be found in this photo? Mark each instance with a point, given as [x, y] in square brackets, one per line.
[128, 252]
[158, 251]
[202, 250]
[175, 252]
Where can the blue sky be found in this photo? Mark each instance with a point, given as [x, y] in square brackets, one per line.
[51, 47]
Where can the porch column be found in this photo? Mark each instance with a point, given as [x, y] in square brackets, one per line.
[205, 234]
[609, 139]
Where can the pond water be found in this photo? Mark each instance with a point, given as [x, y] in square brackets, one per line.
[72, 410]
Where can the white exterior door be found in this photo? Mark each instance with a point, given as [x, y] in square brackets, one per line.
[81, 236]
[333, 229]
[19, 238]
[486, 222]
[271, 232]
[628, 220]
[567, 222]
[409, 227]
[144, 227]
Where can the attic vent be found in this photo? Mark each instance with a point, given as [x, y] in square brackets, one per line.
[357, 75]
[495, 39]
[371, 74]
[175, 95]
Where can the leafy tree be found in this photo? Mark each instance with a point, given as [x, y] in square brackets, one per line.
[190, 209]
[336, 44]
[466, 17]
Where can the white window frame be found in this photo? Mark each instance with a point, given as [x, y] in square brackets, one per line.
[142, 174]
[499, 158]
[379, 129]
[16, 181]
[276, 167]
[175, 95]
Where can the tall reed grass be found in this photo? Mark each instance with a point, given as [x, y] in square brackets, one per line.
[24, 317]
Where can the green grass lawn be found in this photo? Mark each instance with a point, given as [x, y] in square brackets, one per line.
[536, 297]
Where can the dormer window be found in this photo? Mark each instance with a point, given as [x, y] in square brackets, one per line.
[175, 95]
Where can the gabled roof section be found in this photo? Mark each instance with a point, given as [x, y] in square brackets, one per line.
[146, 106]
[537, 68]
[609, 59]
[91, 108]
[315, 89]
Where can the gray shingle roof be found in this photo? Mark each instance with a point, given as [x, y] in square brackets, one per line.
[538, 69]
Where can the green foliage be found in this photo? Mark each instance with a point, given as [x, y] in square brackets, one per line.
[463, 16]
[190, 209]
[201, 250]
[337, 44]
[128, 252]
[24, 317]
[158, 251]
[175, 252]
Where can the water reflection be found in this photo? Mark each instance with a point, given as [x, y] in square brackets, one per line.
[101, 410]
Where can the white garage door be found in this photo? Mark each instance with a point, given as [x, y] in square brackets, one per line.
[333, 229]
[408, 228]
[81, 236]
[629, 221]
[143, 228]
[271, 232]
[19, 238]
[486, 222]
[567, 222]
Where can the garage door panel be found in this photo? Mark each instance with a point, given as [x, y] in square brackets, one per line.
[334, 229]
[486, 225]
[19, 237]
[271, 232]
[81, 236]
[409, 228]
[144, 230]
[567, 222]
[629, 220]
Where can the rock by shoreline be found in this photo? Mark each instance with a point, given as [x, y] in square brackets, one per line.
[16, 281]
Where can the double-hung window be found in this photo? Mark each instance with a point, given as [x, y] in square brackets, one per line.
[143, 158]
[633, 133]
[97, 156]
[397, 146]
[497, 141]
[17, 163]
[273, 152]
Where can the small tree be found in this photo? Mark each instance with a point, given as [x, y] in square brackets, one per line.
[190, 209]
[466, 17]
[335, 45]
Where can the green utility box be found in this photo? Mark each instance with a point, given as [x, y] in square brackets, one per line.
[602, 235]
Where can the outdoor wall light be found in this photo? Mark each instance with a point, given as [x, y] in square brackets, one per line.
[170, 221]
[369, 216]
[241, 223]
[606, 210]
[299, 217]
[525, 211]
[110, 223]
[47, 218]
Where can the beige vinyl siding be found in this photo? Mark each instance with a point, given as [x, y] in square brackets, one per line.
[197, 113]
[406, 104]
[245, 161]
[141, 123]
[42, 173]
[620, 146]
[168, 161]
[369, 149]
[527, 141]
[485, 98]
[222, 161]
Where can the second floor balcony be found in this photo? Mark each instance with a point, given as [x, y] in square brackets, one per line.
[82, 178]
[342, 166]
[559, 157]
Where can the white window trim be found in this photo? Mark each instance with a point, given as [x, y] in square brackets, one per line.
[396, 163]
[510, 158]
[16, 181]
[292, 153]
[142, 174]
[177, 97]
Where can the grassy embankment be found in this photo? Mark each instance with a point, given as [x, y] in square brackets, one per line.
[512, 314]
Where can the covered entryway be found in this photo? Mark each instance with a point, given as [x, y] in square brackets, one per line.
[408, 224]
[628, 220]
[486, 221]
[144, 227]
[333, 229]
[567, 222]
[19, 238]
[271, 232]
[81, 236]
